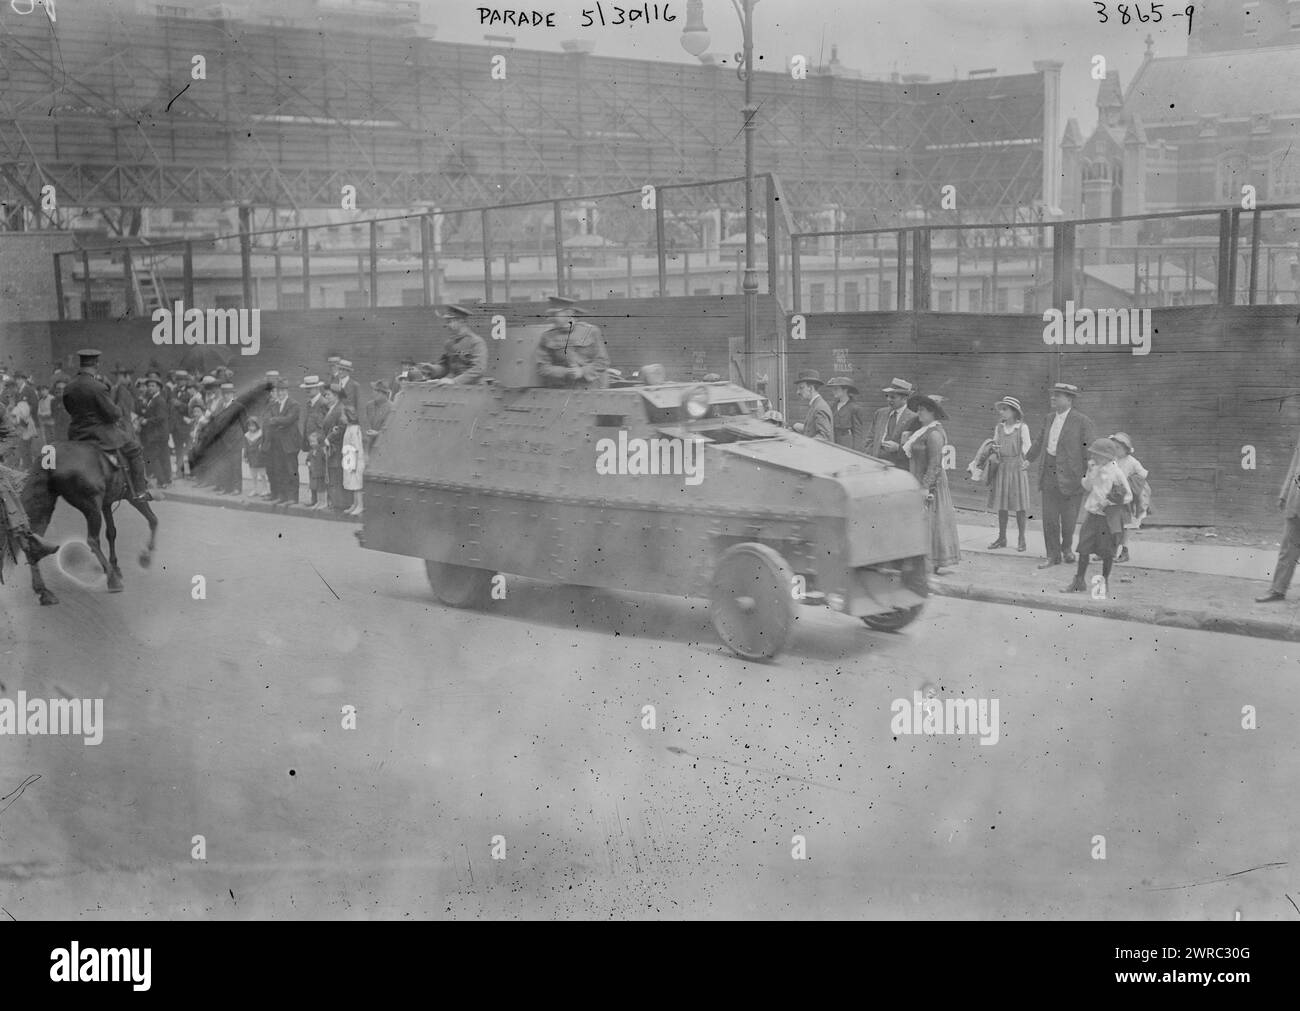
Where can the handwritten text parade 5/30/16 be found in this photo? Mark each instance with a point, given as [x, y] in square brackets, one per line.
[601, 14]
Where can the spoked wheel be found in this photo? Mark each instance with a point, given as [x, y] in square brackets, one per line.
[458, 585]
[752, 603]
[915, 579]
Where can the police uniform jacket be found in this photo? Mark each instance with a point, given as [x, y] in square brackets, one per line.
[93, 417]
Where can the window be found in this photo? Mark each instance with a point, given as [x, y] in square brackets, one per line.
[356, 299]
[945, 301]
[1283, 175]
[182, 217]
[96, 309]
[817, 298]
[1031, 303]
[1117, 190]
[1232, 175]
[851, 298]
[886, 296]
[975, 300]
[1002, 301]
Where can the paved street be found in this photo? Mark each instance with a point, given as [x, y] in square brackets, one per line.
[223, 719]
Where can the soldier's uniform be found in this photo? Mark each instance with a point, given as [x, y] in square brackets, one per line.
[464, 358]
[571, 352]
[94, 417]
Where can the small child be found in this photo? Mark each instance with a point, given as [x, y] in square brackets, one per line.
[1108, 490]
[1136, 512]
[254, 454]
[316, 470]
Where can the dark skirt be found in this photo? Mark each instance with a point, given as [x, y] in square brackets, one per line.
[1095, 537]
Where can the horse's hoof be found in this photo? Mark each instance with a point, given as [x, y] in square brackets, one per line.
[146, 559]
[114, 587]
[47, 599]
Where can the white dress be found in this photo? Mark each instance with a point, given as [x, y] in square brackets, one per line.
[352, 476]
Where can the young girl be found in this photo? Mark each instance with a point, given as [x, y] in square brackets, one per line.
[1010, 491]
[316, 470]
[1108, 490]
[1135, 513]
[255, 455]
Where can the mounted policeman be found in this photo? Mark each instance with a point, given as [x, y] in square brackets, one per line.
[94, 417]
[571, 352]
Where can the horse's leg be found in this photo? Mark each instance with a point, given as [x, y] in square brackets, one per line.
[110, 530]
[91, 507]
[39, 505]
[146, 556]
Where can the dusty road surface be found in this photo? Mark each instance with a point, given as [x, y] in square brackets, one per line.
[224, 719]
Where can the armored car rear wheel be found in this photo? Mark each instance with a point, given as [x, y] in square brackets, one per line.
[752, 603]
[458, 585]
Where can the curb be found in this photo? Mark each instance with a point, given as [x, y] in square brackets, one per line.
[1201, 621]
[252, 505]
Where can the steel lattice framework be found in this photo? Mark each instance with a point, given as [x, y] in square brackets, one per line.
[102, 105]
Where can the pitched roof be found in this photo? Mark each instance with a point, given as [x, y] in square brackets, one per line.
[1236, 84]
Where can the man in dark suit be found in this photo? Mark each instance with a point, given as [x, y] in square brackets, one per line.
[94, 417]
[1288, 501]
[891, 424]
[283, 439]
[335, 425]
[1063, 445]
[228, 421]
[818, 424]
[850, 426]
[155, 426]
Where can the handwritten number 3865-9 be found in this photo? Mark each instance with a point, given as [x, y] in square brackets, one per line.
[1126, 16]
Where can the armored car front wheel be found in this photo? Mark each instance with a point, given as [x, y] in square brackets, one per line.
[458, 585]
[751, 602]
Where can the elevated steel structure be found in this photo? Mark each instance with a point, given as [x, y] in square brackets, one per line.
[101, 104]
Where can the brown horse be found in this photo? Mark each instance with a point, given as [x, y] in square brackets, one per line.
[92, 483]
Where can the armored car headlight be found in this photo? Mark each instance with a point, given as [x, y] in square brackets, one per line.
[696, 402]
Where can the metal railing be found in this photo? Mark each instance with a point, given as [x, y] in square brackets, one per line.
[1215, 256]
[659, 246]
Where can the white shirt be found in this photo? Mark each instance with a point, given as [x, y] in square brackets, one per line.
[1024, 435]
[1055, 432]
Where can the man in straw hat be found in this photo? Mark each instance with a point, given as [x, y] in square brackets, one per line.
[892, 424]
[819, 423]
[846, 414]
[1062, 444]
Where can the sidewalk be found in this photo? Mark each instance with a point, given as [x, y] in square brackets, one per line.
[1196, 586]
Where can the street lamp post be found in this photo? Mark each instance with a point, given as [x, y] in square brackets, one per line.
[695, 40]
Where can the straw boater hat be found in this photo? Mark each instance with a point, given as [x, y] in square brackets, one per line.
[1104, 448]
[344, 364]
[931, 404]
[842, 381]
[1124, 440]
[1067, 388]
[310, 383]
[899, 386]
[811, 376]
[1012, 403]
